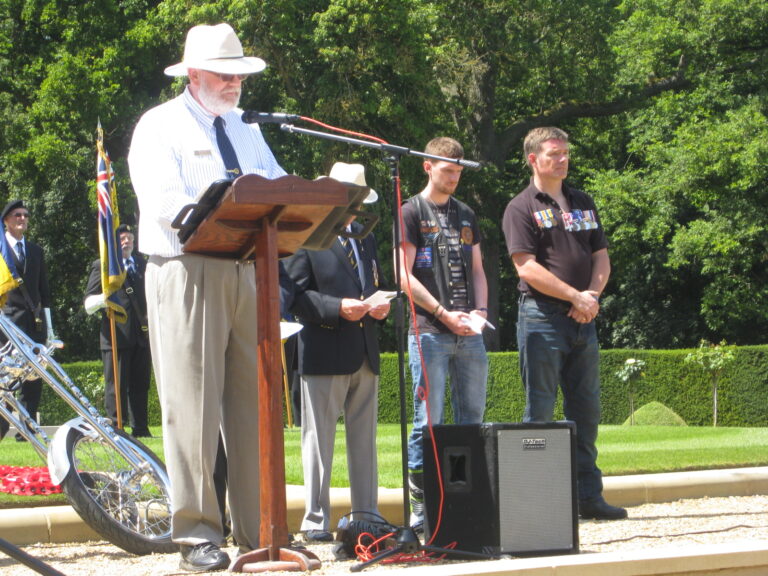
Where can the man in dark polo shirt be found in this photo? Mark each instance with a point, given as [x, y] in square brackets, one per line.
[560, 252]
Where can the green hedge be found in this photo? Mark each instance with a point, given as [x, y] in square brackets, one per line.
[742, 391]
[89, 378]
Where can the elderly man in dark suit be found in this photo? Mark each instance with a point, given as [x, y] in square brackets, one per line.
[29, 305]
[134, 360]
[339, 365]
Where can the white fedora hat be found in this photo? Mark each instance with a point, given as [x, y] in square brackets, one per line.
[353, 174]
[216, 49]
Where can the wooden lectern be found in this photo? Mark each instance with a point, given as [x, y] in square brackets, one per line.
[253, 217]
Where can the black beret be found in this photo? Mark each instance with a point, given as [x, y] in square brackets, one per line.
[10, 207]
[124, 228]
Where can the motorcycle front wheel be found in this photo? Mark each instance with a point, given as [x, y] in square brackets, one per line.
[129, 506]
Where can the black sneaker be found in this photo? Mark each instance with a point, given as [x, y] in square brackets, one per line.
[204, 557]
[599, 509]
[416, 490]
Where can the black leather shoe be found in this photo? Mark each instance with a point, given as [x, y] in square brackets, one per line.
[599, 509]
[205, 557]
[318, 536]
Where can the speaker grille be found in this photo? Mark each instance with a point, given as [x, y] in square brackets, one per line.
[535, 489]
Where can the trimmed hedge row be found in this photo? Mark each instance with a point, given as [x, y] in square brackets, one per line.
[684, 388]
[742, 390]
[89, 378]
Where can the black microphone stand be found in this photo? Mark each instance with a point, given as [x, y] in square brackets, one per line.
[407, 540]
[29, 561]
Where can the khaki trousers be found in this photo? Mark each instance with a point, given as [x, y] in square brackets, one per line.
[323, 400]
[202, 327]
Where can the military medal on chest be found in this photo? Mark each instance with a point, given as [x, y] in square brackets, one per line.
[545, 218]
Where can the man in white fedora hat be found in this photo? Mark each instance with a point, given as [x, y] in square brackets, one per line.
[339, 364]
[202, 310]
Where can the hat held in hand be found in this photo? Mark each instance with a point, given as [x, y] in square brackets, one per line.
[353, 174]
[215, 49]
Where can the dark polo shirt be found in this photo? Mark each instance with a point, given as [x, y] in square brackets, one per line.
[562, 242]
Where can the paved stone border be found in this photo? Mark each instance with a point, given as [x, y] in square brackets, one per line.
[58, 524]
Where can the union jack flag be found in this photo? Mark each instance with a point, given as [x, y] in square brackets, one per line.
[112, 269]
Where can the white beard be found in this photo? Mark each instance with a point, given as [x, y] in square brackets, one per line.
[216, 102]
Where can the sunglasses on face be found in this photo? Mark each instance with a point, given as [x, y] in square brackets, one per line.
[229, 77]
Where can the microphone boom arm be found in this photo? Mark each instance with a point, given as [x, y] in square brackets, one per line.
[391, 148]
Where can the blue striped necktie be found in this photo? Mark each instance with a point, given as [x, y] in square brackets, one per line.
[225, 148]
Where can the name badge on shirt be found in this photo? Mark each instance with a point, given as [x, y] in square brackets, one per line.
[203, 152]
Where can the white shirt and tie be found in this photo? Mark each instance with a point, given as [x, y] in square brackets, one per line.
[19, 249]
[202, 318]
[129, 265]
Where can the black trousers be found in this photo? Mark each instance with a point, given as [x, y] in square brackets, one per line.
[29, 396]
[134, 364]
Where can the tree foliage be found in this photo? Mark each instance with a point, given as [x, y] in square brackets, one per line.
[664, 99]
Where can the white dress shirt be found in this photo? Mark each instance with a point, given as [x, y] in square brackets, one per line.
[174, 157]
[12, 242]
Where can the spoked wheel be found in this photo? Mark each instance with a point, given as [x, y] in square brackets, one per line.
[128, 506]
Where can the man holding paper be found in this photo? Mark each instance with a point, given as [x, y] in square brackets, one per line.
[339, 363]
[442, 272]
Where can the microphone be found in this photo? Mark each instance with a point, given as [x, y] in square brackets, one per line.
[251, 117]
[471, 164]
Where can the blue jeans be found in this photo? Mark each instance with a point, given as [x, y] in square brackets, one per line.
[463, 359]
[556, 351]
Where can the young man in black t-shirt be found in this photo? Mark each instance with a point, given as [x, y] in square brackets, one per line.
[442, 272]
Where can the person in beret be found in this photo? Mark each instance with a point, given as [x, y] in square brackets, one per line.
[29, 305]
[134, 361]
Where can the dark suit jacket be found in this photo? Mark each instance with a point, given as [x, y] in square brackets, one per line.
[36, 283]
[128, 333]
[328, 344]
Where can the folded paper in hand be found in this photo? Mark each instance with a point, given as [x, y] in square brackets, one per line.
[477, 323]
[379, 297]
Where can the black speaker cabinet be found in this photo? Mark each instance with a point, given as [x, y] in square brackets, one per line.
[507, 488]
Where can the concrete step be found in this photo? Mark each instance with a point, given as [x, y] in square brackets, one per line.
[59, 524]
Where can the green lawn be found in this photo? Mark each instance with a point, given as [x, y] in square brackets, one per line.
[623, 450]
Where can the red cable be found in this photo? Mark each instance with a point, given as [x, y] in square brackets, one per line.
[365, 551]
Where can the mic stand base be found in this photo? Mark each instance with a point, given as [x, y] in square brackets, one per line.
[408, 543]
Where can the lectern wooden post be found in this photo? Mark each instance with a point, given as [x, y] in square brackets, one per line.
[266, 219]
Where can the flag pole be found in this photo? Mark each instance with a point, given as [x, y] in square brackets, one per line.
[115, 368]
[289, 410]
[110, 252]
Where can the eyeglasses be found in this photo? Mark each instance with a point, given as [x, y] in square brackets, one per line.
[229, 77]
[20, 214]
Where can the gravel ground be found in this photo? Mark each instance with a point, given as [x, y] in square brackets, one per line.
[704, 521]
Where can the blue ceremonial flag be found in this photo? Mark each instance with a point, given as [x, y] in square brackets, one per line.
[112, 269]
[9, 276]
